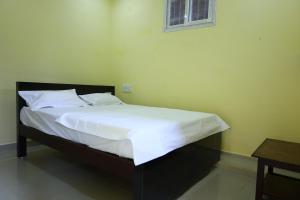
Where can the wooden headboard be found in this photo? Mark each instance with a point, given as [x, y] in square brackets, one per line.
[80, 89]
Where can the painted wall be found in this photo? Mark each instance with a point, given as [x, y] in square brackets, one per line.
[246, 68]
[51, 41]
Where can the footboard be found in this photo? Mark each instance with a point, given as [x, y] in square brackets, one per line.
[170, 176]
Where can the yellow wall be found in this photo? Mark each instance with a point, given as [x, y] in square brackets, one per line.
[246, 68]
[52, 41]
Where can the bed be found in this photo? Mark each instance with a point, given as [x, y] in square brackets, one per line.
[166, 177]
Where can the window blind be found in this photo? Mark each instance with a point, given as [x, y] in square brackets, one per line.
[177, 12]
[199, 9]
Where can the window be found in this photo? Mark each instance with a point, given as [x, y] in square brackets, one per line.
[181, 14]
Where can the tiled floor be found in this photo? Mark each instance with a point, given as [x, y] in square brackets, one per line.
[223, 184]
[47, 174]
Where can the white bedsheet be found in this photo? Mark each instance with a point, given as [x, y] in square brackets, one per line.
[138, 132]
[44, 120]
[152, 131]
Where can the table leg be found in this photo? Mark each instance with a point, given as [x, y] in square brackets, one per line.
[260, 179]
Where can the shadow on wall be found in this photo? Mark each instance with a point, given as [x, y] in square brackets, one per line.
[7, 116]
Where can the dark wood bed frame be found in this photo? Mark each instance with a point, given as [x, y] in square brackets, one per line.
[167, 177]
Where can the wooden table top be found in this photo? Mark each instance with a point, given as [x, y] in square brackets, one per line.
[282, 151]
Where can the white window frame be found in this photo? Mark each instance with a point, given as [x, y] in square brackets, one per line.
[188, 23]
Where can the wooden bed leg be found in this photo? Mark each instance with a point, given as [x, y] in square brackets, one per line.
[138, 183]
[21, 146]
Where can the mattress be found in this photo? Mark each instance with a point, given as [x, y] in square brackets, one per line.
[138, 132]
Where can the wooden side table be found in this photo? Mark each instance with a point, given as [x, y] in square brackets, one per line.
[277, 154]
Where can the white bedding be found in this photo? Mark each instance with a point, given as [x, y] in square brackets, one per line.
[44, 120]
[145, 133]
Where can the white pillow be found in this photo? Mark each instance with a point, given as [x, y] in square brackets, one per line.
[101, 99]
[51, 98]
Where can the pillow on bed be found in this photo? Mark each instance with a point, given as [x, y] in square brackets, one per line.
[51, 98]
[95, 99]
